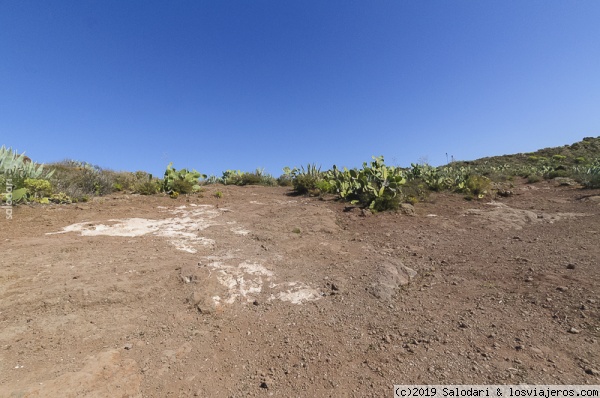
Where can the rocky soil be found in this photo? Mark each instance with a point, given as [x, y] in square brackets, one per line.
[261, 293]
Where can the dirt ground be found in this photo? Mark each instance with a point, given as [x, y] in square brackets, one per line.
[261, 293]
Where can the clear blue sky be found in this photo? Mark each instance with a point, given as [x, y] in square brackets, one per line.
[216, 85]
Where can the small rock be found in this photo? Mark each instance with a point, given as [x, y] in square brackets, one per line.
[562, 288]
[592, 372]
[574, 331]
[519, 347]
[255, 302]
[570, 266]
[407, 209]
[529, 279]
[564, 181]
[505, 193]
[128, 346]
[266, 382]
[537, 351]
[365, 213]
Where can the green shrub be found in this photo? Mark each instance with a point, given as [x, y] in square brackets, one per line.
[148, 187]
[258, 177]
[250, 179]
[589, 176]
[19, 167]
[182, 181]
[557, 173]
[183, 187]
[77, 179]
[415, 191]
[324, 187]
[38, 188]
[533, 178]
[61, 198]
[375, 185]
[305, 183]
[284, 181]
[477, 185]
[386, 202]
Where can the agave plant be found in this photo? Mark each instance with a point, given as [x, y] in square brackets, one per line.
[16, 168]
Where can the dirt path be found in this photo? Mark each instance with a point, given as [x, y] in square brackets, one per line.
[265, 294]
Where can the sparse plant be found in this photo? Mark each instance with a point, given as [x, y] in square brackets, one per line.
[218, 194]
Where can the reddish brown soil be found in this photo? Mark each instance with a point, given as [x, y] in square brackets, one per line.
[504, 294]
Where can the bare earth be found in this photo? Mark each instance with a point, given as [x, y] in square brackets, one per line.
[262, 293]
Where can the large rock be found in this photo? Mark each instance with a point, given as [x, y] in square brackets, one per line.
[389, 277]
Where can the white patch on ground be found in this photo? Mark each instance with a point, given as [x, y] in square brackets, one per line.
[180, 231]
[297, 294]
[247, 279]
[255, 202]
[241, 280]
[285, 202]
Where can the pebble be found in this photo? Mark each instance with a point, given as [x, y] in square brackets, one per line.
[537, 351]
[128, 346]
[574, 331]
[592, 372]
[562, 288]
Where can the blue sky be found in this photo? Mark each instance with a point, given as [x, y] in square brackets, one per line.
[216, 85]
